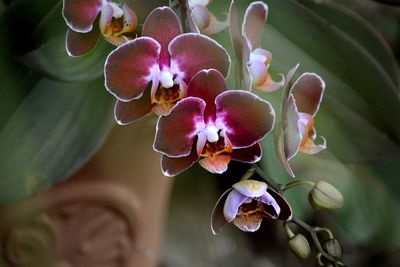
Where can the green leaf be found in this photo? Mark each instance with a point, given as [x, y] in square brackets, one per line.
[52, 132]
[360, 30]
[52, 61]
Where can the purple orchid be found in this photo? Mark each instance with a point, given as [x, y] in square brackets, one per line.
[164, 58]
[115, 21]
[300, 103]
[246, 204]
[213, 126]
[202, 20]
[253, 61]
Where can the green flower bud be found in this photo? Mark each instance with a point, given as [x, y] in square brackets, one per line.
[325, 196]
[332, 247]
[300, 246]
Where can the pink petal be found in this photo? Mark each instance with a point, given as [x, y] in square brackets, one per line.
[286, 211]
[192, 52]
[206, 22]
[217, 217]
[78, 44]
[219, 164]
[127, 112]
[250, 154]
[308, 91]
[311, 148]
[247, 117]
[174, 166]
[80, 14]
[253, 24]
[207, 84]
[162, 25]
[177, 131]
[128, 69]
[105, 17]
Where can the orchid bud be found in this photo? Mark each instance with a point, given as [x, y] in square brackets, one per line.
[325, 196]
[300, 246]
[332, 247]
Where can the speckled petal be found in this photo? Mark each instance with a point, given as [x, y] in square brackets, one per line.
[218, 165]
[176, 132]
[231, 207]
[80, 14]
[249, 223]
[247, 117]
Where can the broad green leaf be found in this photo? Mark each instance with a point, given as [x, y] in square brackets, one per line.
[53, 131]
[360, 31]
[52, 60]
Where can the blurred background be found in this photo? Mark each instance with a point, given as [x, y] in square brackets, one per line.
[62, 156]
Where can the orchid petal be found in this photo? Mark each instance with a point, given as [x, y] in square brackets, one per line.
[127, 112]
[105, 18]
[234, 30]
[232, 203]
[251, 188]
[272, 210]
[163, 25]
[219, 164]
[174, 166]
[308, 91]
[177, 131]
[286, 211]
[250, 223]
[128, 69]
[247, 117]
[288, 81]
[80, 14]
[206, 22]
[78, 44]
[253, 24]
[250, 154]
[207, 85]
[280, 152]
[310, 148]
[291, 128]
[247, 77]
[192, 52]
[271, 85]
[217, 216]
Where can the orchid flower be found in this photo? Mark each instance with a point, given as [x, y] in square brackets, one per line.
[246, 205]
[162, 57]
[202, 20]
[115, 21]
[253, 61]
[300, 103]
[212, 126]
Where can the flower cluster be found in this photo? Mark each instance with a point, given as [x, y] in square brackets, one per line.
[181, 77]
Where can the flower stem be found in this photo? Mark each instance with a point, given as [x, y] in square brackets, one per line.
[287, 186]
